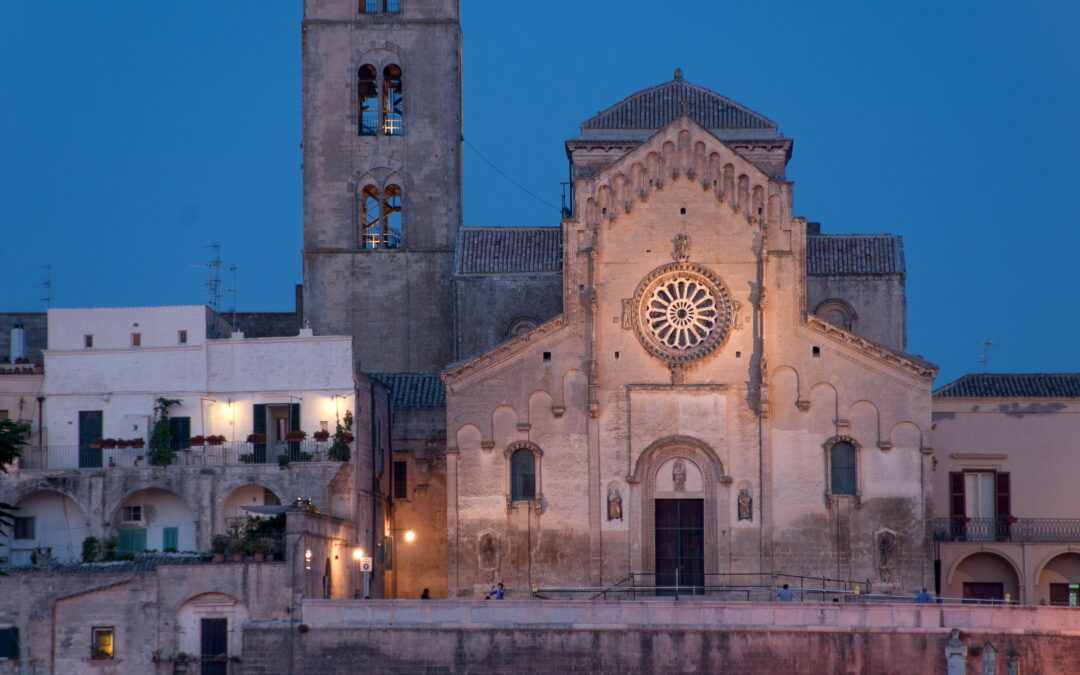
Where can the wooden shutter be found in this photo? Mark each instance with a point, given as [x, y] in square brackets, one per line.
[258, 418]
[1001, 493]
[170, 538]
[956, 494]
[294, 417]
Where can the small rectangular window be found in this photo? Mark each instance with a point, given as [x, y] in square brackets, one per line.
[817, 352]
[401, 480]
[23, 527]
[9, 642]
[88, 341]
[136, 339]
[132, 514]
[101, 644]
[181, 337]
[547, 357]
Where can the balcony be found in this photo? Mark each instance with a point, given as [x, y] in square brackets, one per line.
[1008, 529]
[64, 457]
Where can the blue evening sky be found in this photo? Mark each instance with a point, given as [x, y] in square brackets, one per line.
[136, 132]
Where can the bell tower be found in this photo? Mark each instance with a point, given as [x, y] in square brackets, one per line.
[382, 176]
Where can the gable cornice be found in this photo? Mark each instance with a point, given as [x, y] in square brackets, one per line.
[463, 371]
[872, 349]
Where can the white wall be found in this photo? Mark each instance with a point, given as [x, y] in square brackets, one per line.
[59, 524]
[112, 326]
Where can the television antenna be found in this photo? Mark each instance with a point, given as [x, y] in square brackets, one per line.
[988, 344]
[47, 285]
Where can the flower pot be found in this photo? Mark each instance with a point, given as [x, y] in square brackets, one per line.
[259, 557]
[238, 557]
[219, 557]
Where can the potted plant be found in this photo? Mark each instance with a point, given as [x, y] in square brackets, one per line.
[257, 439]
[197, 440]
[122, 442]
[138, 443]
[342, 437]
[322, 435]
[218, 545]
[96, 443]
[258, 550]
[247, 458]
[215, 440]
[283, 460]
[237, 547]
[108, 443]
[161, 439]
[296, 435]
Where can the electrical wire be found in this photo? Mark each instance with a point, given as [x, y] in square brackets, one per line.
[507, 177]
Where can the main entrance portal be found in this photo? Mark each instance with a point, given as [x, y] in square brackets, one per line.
[680, 544]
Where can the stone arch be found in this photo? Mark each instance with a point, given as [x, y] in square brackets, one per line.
[161, 508]
[779, 383]
[906, 434]
[742, 200]
[60, 525]
[700, 164]
[249, 494]
[213, 605]
[729, 183]
[649, 463]
[988, 564]
[469, 438]
[824, 406]
[379, 53]
[504, 421]
[838, 312]
[539, 407]
[774, 209]
[757, 203]
[519, 325]
[1057, 567]
[865, 420]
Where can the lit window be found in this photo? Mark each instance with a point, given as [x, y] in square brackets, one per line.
[102, 645]
[367, 93]
[393, 102]
[380, 217]
[842, 468]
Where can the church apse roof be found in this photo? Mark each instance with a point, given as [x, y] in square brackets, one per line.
[854, 254]
[1013, 385]
[656, 107]
[509, 250]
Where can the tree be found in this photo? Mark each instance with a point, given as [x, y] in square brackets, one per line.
[12, 436]
[161, 440]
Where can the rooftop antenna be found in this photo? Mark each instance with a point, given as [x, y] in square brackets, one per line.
[213, 282]
[47, 285]
[232, 296]
[988, 344]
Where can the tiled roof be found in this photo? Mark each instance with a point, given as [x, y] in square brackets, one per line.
[1013, 385]
[414, 390]
[658, 106]
[509, 250]
[832, 254]
[143, 562]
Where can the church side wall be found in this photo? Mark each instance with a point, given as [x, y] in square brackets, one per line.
[878, 301]
[487, 305]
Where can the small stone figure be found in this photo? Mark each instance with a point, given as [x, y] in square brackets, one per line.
[886, 549]
[678, 475]
[614, 504]
[681, 251]
[746, 505]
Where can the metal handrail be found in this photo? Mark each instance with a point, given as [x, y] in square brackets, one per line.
[1006, 529]
[64, 457]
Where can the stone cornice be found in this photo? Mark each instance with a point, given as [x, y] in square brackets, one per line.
[871, 349]
[463, 370]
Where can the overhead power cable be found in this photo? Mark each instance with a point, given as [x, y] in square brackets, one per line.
[507, 177]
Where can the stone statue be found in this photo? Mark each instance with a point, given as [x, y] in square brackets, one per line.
[678, 475]
[614, 504]
[886, 550]
[681, 252]
[746, 505]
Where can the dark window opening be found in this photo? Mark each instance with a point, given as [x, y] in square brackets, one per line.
[88, 341]
[547, 357]
[817, 352]
[682, 211]
[738, 355]
[136, 339]
[367, 94]
[842, 464]
[180, 430]
[522, 475]
[9, 643]
[616, 355]
[401, 480]
[23, 527]
[181, 337]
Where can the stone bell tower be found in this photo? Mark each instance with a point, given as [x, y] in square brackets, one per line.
[382, 176]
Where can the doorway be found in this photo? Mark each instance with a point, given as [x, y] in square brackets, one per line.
[974, 591]
[214, 650]
[680, 545]
[90, 429]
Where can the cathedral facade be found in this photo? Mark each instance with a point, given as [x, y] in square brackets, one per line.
[682, 382]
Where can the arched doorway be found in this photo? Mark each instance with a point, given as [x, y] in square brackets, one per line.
[210, 627]
[46, 523]
[679, 513]
[986, 576]
[1059, 581]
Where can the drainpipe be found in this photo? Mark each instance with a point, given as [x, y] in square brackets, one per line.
[41, 420]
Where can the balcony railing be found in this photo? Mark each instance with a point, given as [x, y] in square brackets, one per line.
[1026, 530]
[56, 457]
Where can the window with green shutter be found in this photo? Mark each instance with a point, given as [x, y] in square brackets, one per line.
[129, 542]
[170, 539]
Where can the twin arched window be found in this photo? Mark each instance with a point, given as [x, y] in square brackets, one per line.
[380, 6]
[380, 113]
[380, 217]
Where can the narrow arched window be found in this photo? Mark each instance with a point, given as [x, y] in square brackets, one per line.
[367, 93]
[393, 101]
[392, 217]
[522, 475]
[842, 468]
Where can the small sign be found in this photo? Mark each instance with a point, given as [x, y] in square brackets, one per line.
[365, 565]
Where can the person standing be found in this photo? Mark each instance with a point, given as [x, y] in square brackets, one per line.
[426, 595]
[785, 594]
[923, 597]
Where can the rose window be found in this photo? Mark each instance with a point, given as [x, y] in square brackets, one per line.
[682, 312]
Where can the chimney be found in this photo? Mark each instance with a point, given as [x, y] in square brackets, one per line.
[813, 228]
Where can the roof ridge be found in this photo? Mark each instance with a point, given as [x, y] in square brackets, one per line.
[752, 118]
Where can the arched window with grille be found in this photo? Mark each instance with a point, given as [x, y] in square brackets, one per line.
[380, 217]
[522, 475]
[367, 93]
[393, 102]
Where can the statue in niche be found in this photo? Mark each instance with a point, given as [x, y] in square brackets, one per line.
[681, 251]
[886, 550]
[488, 552]
[614, 504]
[678, 475]
[746, 505]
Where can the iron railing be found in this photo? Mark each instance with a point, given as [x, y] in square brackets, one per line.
[748, 586]
[1007, 528]
[55, 457]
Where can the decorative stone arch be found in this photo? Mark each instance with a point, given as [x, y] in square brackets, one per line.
[231, 500]
[210, 605]
[1036, 578]
[837, 312]
[519, 325]
[538, 453]
[379, 53]
[991, 550]
[644, 482]
[827, 446]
